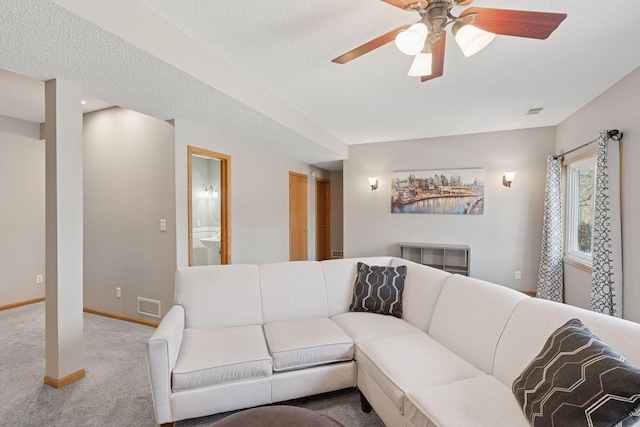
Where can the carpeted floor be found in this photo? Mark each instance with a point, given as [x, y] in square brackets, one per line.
[115, 391]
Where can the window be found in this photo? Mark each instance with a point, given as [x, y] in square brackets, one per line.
[580, 192]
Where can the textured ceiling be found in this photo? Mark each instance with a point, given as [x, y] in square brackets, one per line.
[261, 71]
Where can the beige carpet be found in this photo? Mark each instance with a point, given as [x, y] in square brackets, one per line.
[115, 391]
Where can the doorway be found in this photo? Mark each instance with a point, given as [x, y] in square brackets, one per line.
[209, 181]
[298, 227]
[323, 228]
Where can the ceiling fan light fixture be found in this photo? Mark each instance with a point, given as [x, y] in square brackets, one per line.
[421, 65]
[411, 41]
[471, 39]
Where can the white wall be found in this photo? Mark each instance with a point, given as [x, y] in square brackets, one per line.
[337, 209]
[22, 211]
[617, 108]
[505, 239]
[259, 197]
[128, 189]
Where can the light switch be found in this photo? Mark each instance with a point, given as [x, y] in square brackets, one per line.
[163, 225]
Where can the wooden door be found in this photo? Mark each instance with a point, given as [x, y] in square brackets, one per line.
[298, 228]
[323, 229]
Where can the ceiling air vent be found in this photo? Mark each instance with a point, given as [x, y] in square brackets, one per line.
[531, 111]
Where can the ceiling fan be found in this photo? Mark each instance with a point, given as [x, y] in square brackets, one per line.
[473, 29]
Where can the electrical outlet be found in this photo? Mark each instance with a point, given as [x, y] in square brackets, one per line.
[118, 293]
[518, 275]
[163, 225]
[39, 278]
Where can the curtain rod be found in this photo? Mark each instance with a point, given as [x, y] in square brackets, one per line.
[612, 133]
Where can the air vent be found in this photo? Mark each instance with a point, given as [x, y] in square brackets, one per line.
[336, 253]
[532, 111]
[149, 307]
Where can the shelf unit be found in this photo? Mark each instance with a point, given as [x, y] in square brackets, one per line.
[451, 258]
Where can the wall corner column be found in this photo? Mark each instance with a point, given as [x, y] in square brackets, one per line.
[64, 234]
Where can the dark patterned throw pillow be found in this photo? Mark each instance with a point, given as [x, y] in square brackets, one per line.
[578, 380]
[379, 289]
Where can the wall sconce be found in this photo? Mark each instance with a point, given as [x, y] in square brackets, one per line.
[373, 182]
[508, 178]
[210, 191]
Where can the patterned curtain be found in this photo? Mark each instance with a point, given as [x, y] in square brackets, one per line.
[550, 275]
[606, 251]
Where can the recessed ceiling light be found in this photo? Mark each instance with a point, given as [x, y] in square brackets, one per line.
[536, 110]
[83, 102]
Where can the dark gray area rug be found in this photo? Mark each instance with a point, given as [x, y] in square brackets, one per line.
[115, 391]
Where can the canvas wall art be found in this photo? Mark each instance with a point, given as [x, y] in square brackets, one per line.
[446, 191]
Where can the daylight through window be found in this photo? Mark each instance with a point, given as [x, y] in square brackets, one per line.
[580, 192]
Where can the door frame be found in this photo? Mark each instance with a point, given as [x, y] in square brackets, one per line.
[225, 201]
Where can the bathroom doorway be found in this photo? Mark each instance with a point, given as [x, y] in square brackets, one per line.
[209, 231]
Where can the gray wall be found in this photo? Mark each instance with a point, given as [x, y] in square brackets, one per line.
[259, 196]
[22, 212]
[617, 108]
[128, 188]
[503, 240]
[337, 210]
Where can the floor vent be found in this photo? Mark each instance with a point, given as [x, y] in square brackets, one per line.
[336, 254]
[149, 307]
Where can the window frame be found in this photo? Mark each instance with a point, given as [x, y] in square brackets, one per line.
[572, 255]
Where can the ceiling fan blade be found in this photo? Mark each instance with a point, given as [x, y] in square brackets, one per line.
[437, 64]
[407, 4]
[518, 23]
[369, 46]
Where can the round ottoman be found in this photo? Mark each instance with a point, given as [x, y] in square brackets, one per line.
[277, 416]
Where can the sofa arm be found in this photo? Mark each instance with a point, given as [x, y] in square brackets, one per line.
[162, 352]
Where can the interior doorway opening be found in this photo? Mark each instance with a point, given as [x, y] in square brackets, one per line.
[209, 181]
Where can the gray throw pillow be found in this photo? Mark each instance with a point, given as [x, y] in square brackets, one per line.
[578, 380]
[379, 289]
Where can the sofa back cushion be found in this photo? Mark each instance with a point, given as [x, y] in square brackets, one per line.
[218, 296]
[470, 316]
[292, 290]
[533, 321]
[340, 275]
[422, 287]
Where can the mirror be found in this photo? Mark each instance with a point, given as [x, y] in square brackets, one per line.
[209, 213]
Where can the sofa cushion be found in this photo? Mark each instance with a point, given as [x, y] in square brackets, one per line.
[292, 290]
[535, 319]
[362, 327]
[470, 316]
[577, 379]
[222, 355]
[296, 344]
[479, 401]
[378, 289]
[217, 296]
[422, 287]
[400, 363]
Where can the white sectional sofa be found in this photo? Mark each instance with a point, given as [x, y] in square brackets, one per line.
[246, 335]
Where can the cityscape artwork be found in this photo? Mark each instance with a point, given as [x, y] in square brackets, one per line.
[446, 191]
